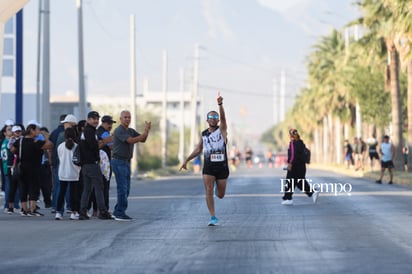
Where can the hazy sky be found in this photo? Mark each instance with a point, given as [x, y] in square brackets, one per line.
[244, 46]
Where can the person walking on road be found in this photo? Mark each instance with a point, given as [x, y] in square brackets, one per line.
[215, 168]
[296, 170]
[124, 139]
[387, 150]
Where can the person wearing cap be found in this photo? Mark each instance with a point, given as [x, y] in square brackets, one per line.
[69, 175]
[14, 194]
[9, 122]
[7, 163]
[69, 121]
[30, 159]
[296, 170]
[103, 133]
[124, 139]
[91, 173]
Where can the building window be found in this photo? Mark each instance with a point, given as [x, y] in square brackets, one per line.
[8, 67]
[9, 27]
[8, 46]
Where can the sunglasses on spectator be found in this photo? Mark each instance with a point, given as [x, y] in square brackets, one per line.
[213, 117]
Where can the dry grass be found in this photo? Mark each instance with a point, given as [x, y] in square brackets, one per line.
[400, 177]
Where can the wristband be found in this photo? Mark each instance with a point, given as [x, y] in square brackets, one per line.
[220, 104]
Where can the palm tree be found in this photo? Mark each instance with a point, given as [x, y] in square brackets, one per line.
[403, 29]
[327, 75]
[378, 19]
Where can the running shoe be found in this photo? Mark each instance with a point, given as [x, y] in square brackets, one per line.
[124, 218]
[58, 216]
[315, 196]
[28, 214]
[74, 216]
[83, 216]
[104, 215]
[213, 221]
[287, 202]
[37, 213]
[10, 211]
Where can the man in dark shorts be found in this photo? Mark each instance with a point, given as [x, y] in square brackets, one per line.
[215, 168]
[387, 150]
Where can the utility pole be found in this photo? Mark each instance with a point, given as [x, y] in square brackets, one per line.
[133, 93]
[39, 28]
[45, 119]
[19, 67]
[358, 120]
[163, 126]
[182, 116]
[275, 102]
[82, 91]
[282, 106]
[193, 126]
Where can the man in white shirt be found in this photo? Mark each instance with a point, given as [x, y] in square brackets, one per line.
[387, 151]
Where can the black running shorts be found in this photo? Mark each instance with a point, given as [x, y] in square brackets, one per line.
[388, 164]
[219, 172]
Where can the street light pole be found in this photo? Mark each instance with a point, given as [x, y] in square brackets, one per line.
[133, 92]
[82, 91]
[193, 126]
[164, 111]
[45, 113]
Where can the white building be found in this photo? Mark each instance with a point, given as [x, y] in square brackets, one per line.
[152, 102]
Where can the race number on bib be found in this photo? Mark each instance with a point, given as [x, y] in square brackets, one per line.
[220, 157]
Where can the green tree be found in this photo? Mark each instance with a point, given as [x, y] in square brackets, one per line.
[379, 21]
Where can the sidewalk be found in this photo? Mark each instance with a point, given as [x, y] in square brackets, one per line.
[399, 177]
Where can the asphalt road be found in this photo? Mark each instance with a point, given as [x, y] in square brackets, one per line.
[368, 230]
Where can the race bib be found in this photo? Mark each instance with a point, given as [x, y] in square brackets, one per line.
[220, 157]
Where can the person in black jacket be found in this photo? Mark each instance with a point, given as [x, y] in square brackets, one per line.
[91, 173]
[296, 170]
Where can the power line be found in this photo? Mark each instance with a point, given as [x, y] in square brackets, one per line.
[89, 4]
[236, 61]
[222, 56]
[242, 92]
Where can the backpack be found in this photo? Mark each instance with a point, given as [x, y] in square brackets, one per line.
[306, 153]
[76, 159]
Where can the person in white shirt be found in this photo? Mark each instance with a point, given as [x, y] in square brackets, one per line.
[387, 151]
[69, 173]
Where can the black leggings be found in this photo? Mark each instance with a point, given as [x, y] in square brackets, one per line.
[296, 178]
[29, 184]
[14, 184]
[76, 190]
[46, 183]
